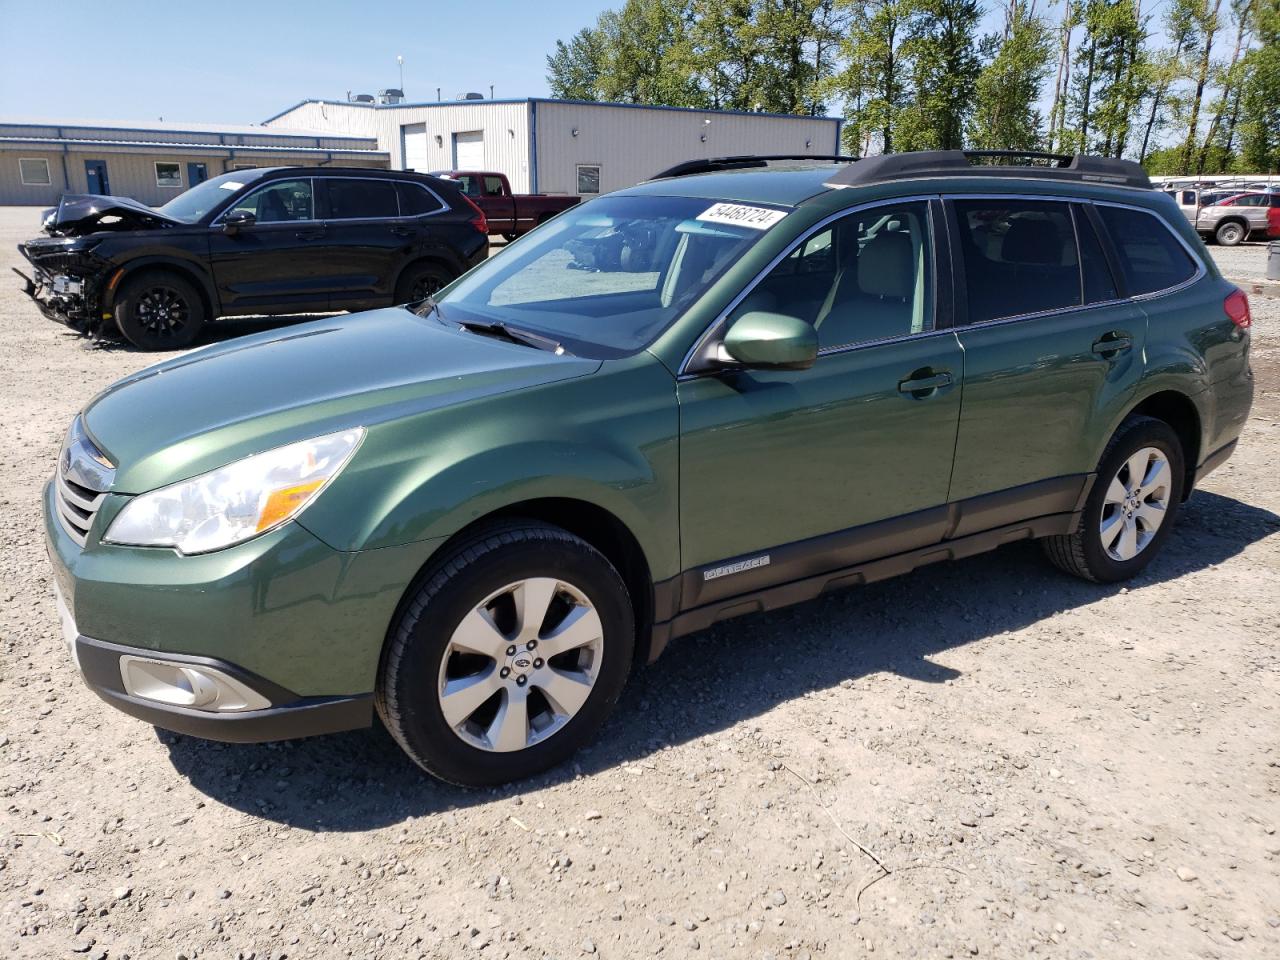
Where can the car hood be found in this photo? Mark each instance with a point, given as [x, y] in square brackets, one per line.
[211, 406]
[78, 214]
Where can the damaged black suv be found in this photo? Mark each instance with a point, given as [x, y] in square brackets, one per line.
[266, 241]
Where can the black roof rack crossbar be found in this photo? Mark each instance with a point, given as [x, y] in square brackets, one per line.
[1021, 164]
[713, 164]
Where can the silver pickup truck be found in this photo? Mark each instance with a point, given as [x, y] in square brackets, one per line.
[1233, 218]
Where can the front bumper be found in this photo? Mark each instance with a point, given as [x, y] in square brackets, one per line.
[284, 615]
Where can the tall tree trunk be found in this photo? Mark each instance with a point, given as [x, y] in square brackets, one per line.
[1088, 91]
[1231, 77]
[1132, 99]
[1064, 55]
[1151, 122]
[1202, 78]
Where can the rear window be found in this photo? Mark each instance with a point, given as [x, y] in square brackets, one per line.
[415, 200]
[1151, 258]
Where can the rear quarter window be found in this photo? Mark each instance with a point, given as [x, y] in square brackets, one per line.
[1151, 257]
[416, 200]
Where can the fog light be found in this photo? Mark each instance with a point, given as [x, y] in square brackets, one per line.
[185, 685]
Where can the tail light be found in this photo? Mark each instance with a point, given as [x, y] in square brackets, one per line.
[1237, 307]
[479, 221]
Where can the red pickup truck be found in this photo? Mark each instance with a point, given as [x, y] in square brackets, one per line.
[509, 214]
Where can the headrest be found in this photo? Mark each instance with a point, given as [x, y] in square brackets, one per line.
[1032, 241]
[885, 266]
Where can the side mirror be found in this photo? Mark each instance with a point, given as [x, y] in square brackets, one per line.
[771, 340]
[237, 220]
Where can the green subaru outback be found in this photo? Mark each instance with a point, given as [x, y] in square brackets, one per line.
[734, 387]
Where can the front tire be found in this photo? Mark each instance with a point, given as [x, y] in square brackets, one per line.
[159, 310]
[1131, 508]
[509, 657]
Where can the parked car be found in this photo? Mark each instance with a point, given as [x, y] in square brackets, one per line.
[509, 214]
[266, 241]
[1243, 216]
[475, 516]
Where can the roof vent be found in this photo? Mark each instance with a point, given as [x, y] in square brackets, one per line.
[472, 95]
[390, 95]
[362, 98]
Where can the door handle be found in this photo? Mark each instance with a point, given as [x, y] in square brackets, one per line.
[1109, 344]
[924, 383]
[403, 231]
[310, 234]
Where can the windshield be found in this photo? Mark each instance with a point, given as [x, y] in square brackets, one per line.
[605, 278]
[194, 204]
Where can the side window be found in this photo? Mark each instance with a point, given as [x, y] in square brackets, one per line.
[1188, 198]
[362, 199]
[493, 186]
[468, 185]
[1099, 284]
[280, 202]
[1252, 201]
[1151, 257]
[1019, 257]
[415, 200]
[867, 277]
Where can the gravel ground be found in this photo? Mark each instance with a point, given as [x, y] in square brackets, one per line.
[983, 758]
[1247, 261]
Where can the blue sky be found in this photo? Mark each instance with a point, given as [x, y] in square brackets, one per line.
[240, 62]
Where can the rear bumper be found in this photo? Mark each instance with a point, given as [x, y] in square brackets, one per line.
[288, 716]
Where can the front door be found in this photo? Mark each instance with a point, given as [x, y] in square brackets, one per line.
[791, 473]
[1050, 349]
[275, 265]
[95, 175]
[196, 173]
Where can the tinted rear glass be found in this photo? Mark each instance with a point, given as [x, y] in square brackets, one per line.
[416, 200]
[361, 198]
[1151, 257]
[1019, 257]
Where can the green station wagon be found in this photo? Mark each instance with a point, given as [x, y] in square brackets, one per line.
[734, 387]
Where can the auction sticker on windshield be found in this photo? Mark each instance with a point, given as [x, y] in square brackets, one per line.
[741, 215]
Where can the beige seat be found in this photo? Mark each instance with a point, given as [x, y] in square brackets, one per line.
[872, 298]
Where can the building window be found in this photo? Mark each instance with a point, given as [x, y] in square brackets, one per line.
[34, 172]
[168, 174]
[244, 166]
[588, 178]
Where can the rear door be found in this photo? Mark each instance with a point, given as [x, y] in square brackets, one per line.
[366, 241]
[278, 263]
[1052, 351]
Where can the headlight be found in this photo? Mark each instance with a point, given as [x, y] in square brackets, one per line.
[235, 502]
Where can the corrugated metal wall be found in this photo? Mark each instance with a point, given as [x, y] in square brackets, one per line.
[505, 126]
[629, 144]
[633, 143]
[130, 173]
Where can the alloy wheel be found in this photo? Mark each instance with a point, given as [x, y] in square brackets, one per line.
[425, 287]
[521, 664]
[1135, 504]
[162, 310]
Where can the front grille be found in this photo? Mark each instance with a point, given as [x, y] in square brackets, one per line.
[76, 507]
[84, 477]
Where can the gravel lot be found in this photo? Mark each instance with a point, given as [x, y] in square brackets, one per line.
[1042, 767]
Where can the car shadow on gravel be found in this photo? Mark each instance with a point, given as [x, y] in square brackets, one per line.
[712, 680]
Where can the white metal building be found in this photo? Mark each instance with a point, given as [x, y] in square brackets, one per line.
[560, 146]
[153, 162]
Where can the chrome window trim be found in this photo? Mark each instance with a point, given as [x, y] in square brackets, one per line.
[445, 207]
[742, 294]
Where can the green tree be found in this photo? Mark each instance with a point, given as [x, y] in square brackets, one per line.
[1260, 100]
[875, 82]
[573, 70]
[1008, 89]
[942, 46]
[1205, 25]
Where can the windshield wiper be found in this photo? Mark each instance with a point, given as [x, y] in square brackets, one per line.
[513, 334]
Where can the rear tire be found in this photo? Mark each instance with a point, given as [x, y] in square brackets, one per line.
[1231, 234]
[1126, 518]
[509, 236]
[516, 714]
[420, 281]
[159, 310]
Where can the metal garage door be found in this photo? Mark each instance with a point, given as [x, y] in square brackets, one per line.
[468, 150]
[415, 147]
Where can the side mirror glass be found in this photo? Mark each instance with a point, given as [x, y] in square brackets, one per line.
[237, 220]
[771, 340]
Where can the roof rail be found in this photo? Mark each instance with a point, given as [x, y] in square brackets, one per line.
[1006, 163]
[712, 164]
